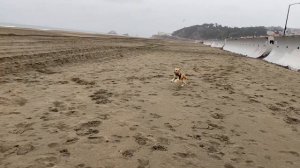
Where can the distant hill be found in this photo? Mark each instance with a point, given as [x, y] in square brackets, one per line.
[215, 31]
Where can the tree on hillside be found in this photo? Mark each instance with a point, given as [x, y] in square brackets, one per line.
[215, 31]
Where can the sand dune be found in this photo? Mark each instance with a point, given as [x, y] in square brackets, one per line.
[107, 102]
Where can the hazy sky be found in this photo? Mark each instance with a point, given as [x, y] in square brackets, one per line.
[146, 17]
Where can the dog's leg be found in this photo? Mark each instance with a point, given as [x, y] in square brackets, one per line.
[184, 82]
[172, 80]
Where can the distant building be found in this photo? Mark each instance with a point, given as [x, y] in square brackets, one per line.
[293, 31]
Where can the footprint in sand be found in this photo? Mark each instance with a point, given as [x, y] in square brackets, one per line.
[196, 137]
[282, 104]
[70, 141]
[159, 148]
[84, 132]
[82, 165]
[220, 137]
[72, 113]
[153, 115]
[61, 126]
[185, 155]
[82, 82]
[103, 116]
[143, 163]
[24, 149]
[101, 97]
[88, 128]
[53, 145]
[217, 116]
[65, 152]
[20, 101]
[228, 165]
[128, 153]
[9, 148]
[140, 139]
[113, 139]
[212, 126]
[293, 153]
[62, 82]
[45, 161]
[57, 106]
[169, 126]
[22, 128]
[95, 139]
[291, 120]
[4, 101]
[211, 147]
[274, 108]
[133, 128]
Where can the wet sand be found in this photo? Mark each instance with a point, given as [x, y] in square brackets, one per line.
[91, 101]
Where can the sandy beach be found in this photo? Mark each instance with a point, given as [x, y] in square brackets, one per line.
[71, 100]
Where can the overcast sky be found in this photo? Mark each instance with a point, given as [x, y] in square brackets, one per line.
[146, 17]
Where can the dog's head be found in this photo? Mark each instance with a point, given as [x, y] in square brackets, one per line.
[177, 71]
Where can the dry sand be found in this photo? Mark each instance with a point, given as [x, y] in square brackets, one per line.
[107, 102]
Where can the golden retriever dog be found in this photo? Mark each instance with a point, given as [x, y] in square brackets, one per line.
[179, 76]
